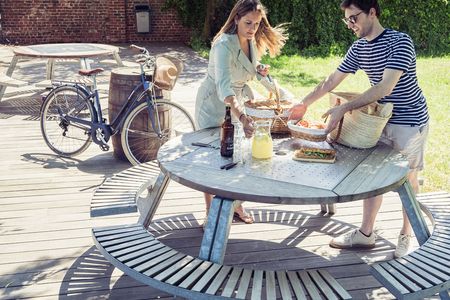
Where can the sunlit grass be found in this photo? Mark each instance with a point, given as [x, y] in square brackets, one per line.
[300, 75]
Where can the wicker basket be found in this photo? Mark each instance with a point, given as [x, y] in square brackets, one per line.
[360, 128]
[309, 134]
[278, 116]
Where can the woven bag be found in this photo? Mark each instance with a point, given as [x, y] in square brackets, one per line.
[360, 128]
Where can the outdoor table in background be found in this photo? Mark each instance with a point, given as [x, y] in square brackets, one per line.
[356, 174]
[52, 52]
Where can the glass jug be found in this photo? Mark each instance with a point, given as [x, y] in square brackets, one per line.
[262, 146]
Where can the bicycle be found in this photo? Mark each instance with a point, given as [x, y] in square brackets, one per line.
[71, 114]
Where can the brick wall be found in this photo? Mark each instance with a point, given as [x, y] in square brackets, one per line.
[100, 21]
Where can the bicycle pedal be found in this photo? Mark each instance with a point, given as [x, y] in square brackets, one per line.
[104, 147]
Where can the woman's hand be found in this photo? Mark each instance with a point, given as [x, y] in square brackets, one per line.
[336, 114]
[297, 111]
[263, 69]
[247, 124]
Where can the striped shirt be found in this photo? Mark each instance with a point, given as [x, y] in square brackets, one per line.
[391, 50]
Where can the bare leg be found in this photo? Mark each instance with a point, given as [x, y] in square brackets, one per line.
[371, 206]
[414, 181]
[208, 200]
[238, 209]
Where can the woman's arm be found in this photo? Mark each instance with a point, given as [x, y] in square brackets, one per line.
[247, 122]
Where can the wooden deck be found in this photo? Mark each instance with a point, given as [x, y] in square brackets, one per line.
[46, 250]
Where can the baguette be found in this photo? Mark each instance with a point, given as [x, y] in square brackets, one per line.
[315, 154]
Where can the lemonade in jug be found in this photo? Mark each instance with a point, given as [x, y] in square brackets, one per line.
[262, 145]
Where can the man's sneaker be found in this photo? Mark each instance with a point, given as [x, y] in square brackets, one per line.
[353, 239]
[402, 245]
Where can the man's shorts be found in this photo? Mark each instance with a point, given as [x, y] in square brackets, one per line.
[410, 141]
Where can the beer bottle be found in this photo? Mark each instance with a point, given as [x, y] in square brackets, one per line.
[227, 135]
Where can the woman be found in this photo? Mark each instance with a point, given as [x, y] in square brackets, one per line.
[233, 61]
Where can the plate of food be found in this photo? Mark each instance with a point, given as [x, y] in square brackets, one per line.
[308, 130]
[313, 151]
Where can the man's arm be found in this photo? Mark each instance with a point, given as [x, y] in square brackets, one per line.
[376, 92]
[328, 84]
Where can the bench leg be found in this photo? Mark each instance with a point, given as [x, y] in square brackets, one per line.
[215, 238]
[414, 213]
[151, 203]
[9, 72]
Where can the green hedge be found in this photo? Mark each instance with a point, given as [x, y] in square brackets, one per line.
[315, 27]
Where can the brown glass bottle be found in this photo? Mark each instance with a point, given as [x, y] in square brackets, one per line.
[227, 135]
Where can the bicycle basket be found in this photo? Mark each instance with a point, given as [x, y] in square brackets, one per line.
[167, 70]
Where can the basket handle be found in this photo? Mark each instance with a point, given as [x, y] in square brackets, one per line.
[331, 140]
[338, 102]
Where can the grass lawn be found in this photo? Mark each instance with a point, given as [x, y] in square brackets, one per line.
[300, 75]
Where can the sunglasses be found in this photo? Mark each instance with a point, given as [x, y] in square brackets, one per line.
[351, 19]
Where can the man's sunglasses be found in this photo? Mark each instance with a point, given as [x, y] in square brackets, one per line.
[352, 19]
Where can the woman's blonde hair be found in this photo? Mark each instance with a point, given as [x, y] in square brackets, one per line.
[268, 39]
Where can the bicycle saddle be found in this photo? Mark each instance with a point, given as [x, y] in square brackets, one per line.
[86, 72]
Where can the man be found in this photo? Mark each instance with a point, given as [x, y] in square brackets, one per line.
[388, 58]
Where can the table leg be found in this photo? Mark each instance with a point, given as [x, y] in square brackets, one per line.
[12, 66]
[85, 63]
[215, 238]
[151, 202]
[414, 213]
[117, 58]
[328, 208]
[50, 69]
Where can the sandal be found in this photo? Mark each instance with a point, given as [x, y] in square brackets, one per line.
[242, 215]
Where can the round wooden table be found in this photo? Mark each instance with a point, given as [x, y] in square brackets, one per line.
[52, 52]
[356, 174]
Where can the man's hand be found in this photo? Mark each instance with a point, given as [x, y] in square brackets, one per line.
[336, 114]
[297, 111]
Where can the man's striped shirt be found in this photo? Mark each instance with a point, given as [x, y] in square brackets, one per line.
[391, 50]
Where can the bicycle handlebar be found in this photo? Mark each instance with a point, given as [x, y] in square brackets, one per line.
[141, 49]
[144, 57]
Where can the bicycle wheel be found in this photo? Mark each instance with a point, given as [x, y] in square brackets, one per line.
[61, 136]
[140, 142]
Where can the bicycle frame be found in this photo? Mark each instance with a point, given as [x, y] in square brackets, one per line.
[144, 89]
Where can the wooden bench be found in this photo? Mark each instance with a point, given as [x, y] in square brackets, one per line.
[8, 81]
[136, 252]
[426, 271]
[12, 82]
[118, 194]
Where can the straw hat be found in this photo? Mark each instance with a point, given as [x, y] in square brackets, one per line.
[167, 70]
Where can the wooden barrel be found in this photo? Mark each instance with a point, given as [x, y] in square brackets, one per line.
[121, 84]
